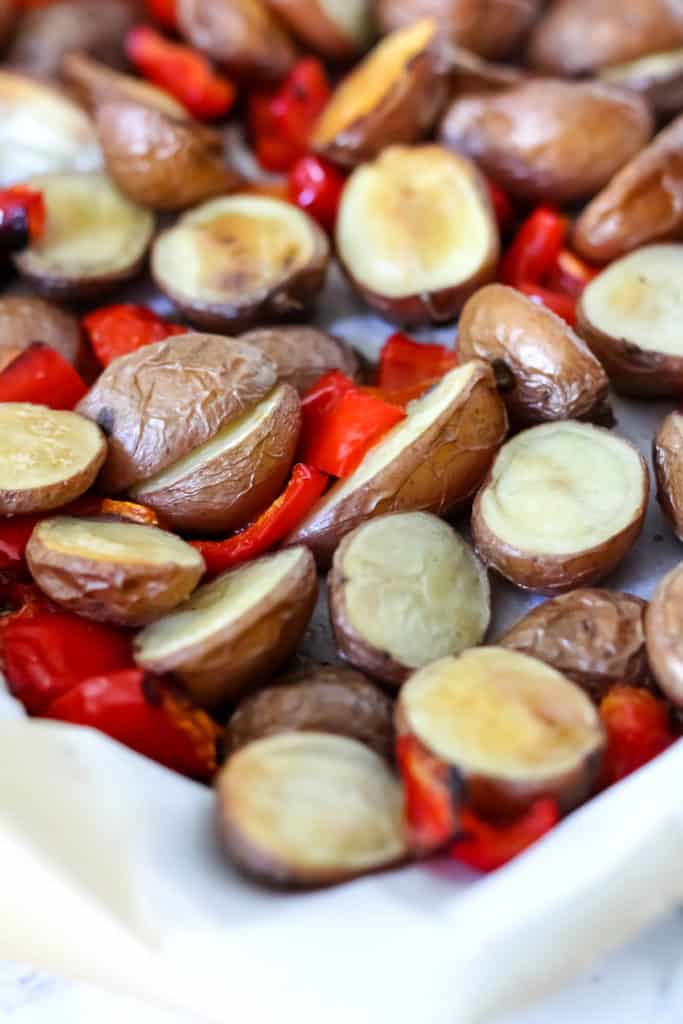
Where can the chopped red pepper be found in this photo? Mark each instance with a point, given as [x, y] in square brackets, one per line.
[182, 71]
[303, 490]
[563, 305]
[319, 399]
[486, 847]
[502, 205]
[163, 11]
[316, 186]
[355, 423]
[638, 729]
[120, 329]
[404, 363]
[570, 274]
[22, 217]
[281, 121]
[430, 815]
[535, 248]
[41, 375]
[14, 536]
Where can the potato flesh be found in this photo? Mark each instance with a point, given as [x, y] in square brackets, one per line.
[129, 543]
[639, 299]
[41, 446]
[562, 488]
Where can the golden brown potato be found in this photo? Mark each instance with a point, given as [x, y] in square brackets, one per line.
[337, 29]
[235, 633]
[416, 233]
[658, 78]
[393, 96]
[525, 136]
[303, 354]
[25, 319]
[594, 637]
[94, 83]
[628, 315]
[664, 635]
[668, 463]
[319, 698]
[563, 504]
[112, 572]
[431, 461]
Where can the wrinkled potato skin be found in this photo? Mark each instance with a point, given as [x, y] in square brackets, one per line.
[594, 637]
[664, 635]
[308, 20]
[25, 319]
[303, 354]
[668, 463]
[547, 164]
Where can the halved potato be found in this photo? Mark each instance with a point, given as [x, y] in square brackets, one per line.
[668, 463]
[94, 239]
[47, 457]
[236, 632]
[664, 635]
[236, 262]
[95, 83]
[303, 354]
[394, 95]
[337, 29]
[416, 233]
[405, 590]
[430, 462]
[112, 572]
[658, 78]
[630, 317]
[307, 809]
[25, 319]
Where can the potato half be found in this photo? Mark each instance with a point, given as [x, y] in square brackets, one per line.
[236, 632]
[337, 29]
[545, 370]
[405, 590]
[94, 239]
[394, 95]
[303, 354]
[664, 635]
[563, 504]
[430, 462]
[244, 260]
[112, 572]
[25, 319]
[668, 463]
[47, 457]
[416, 233]
[658, 78]
[630, 317]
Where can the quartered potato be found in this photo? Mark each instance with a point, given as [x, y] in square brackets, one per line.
[563, 504]
[405, 590]
[668, 463]
[337, 29]
[112, 572]
[664, 635]
[94, 239]
[544, 370]
[525, 136]
[47, 458]
[236, 632]
[416, 233]
[430, 462]
[658, 78]
[306, 809]
[25, 319]
[630, 316]
[303, 354]
[239, 261]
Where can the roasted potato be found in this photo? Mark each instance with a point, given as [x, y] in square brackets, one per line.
[393, 96]
[545, 371]
[112, 572]
[431, 461]
[25, 319]
[525, 136]
[241, 261]
[628, 315]
[668, 463]
[664, 635]
[236, 632]
[405, 590]
[471, 73]
[95, 83]
[416, 233]
[658, 78]
[563, 504]
[319, 698]
[303, 354]
[594, 637]
[307, 809]
[337, 29]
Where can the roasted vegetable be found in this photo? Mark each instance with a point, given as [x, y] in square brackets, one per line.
[658, 78]
[668, 464]
[338, 29]
[664, 635]
[302, 354]
[24, 320]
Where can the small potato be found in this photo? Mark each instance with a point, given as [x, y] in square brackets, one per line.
[563, 504]
[24, 320]
[547, 372]
[94, 83]
[405, 590]
[658, 78]
[594, 637]
[431, 461]
[337, 29]
[112, 572]
[319, 698]
[235, 633]
[303, 354]
[668, 463]
[664, 635]
[525, 136]
[416, 233]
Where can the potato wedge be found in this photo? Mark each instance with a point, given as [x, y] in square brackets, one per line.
[25, 319]
[337, 29]
[416, 233]
[163, 401]
[393, 96]
[236, 632]
[668, 463]
[303, 354]
[47, 458]
[658, 78]
[241, 261]
[525, 136]
[95, 238]
[431, 461]
[319, 698]
[594, 637]
[545, 370]
[307, 809]
[94, 83]
[112, 572]
[563, 504]
[664, 635]
[629, 317]
[405, 590]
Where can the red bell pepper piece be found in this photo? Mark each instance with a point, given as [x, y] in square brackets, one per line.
[404, 363]
[14, 536]
[162, 11]
[638, 730]
[22, 217]
[535, 248]
[281, 121]
[117, 330]
[348, 430]
[316, 186]
[303, 490]
[563, 305]
[180, 70]
[570, 274]
[430, 816]
[324, 394]
[486, 847]
[41, 375]
[502, 205]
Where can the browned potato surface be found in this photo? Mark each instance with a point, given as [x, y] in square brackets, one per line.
[668, 463]
[563, 504]
[664, 635]
[545, 371]
[337, 29]
[416, 233]
[303, 354]
[25, 319]
[94, 83]
[658, 78]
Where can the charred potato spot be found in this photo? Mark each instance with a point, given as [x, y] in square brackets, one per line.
[24, 320]
[668, 463]
[664, 635]
[338, 29]
[303, 354]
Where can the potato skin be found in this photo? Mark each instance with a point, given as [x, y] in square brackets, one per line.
[308, 20]
[303, 354]
[668, 463]
[632, 370]
[546, 164]
[664, 635]
[94, 83]
[25, 319]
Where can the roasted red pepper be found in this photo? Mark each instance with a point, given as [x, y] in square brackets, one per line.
[41, 375]
[535, 248]
[22, 217]
[563, 305]
[281, 121]
[316, 186]
[404, 363]
[430, 815]
[570, 275]
[638, 729]
[117, 330]
[353, 424]
[14, 536]
[162, 11]
[486, 847]
[502, 205]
